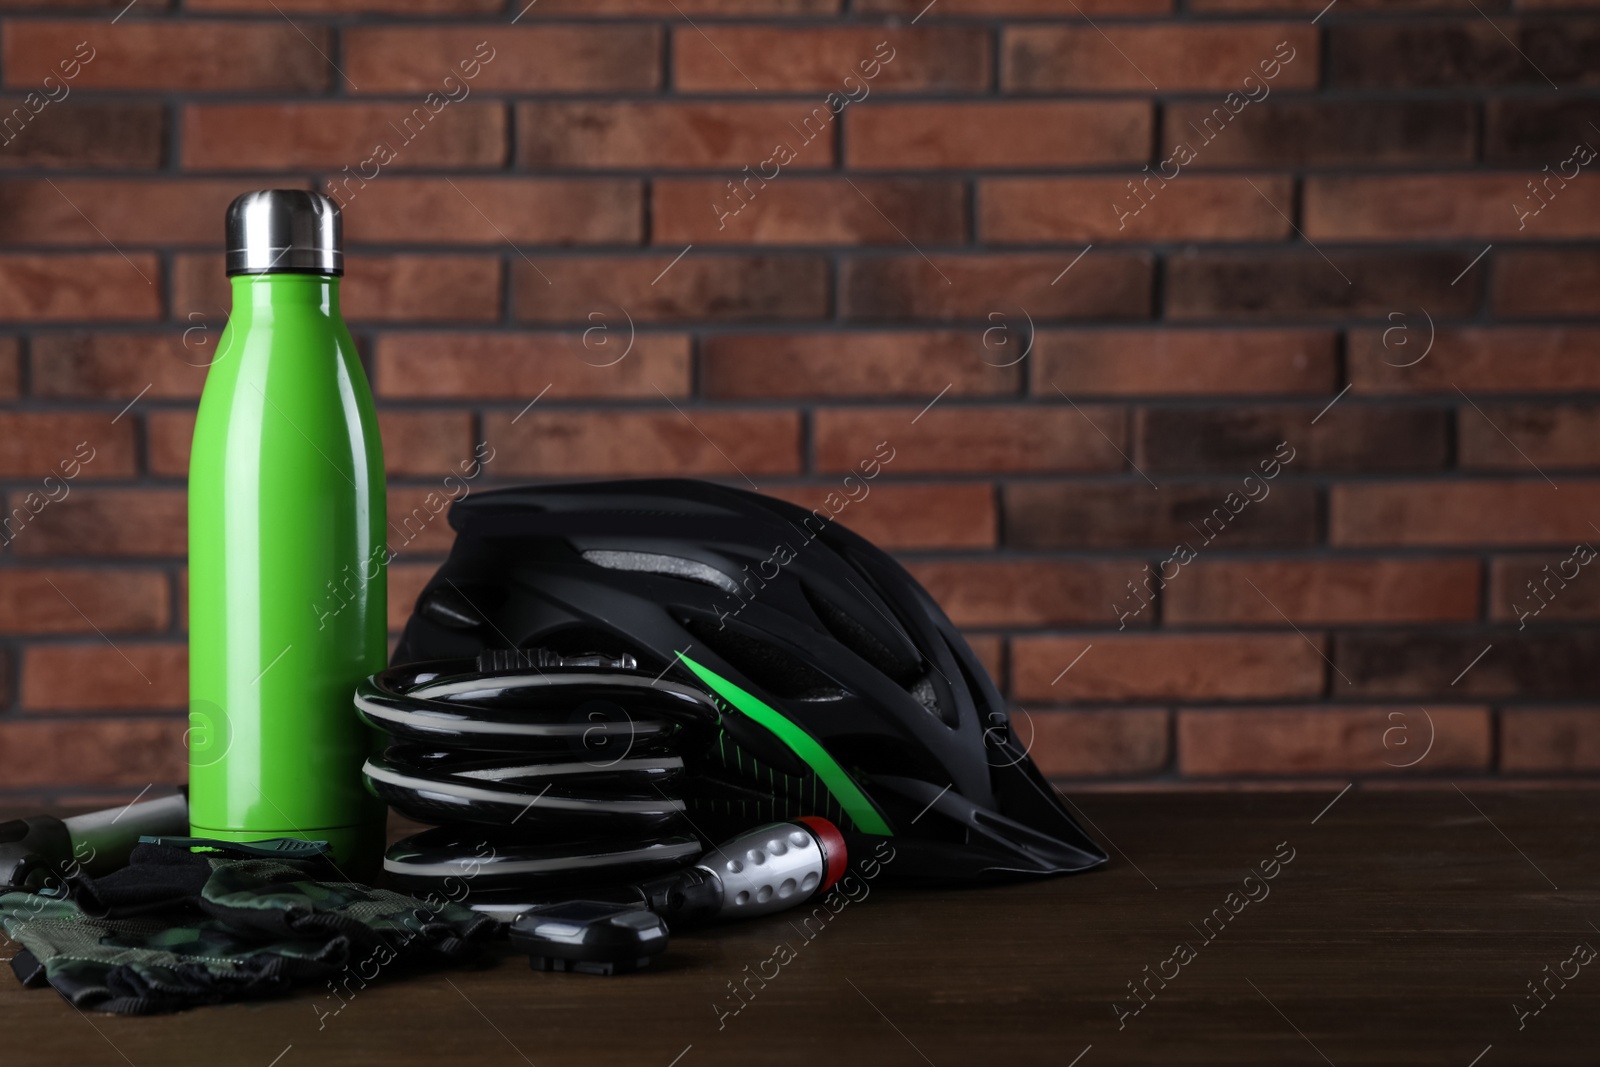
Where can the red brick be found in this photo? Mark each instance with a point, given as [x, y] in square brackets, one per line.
[1030, 592]
[144, 54]
[112, 5]
[375, 288]
[125, 677]
[171, 437]
[89, 135]
[1172, 58]
[1499, 512]
[78, 287]
[1320, 133]
[501, 366]
[1332, 740]
[1167, 667]
[1465, 52]
[1015, 7]
[10, 368]
[1099, 743]
[1546, 281]
[67, 446]
[1351, 437]
[1559, 740]
[690, 443]
[53, 600]
[1322, 592]
[319, 7]
[904, 363]
[522, 58]
[1348, 283]
[966, 136]
[202, 299]
[1534, 132]
[335, 135]
[1446, 206]
[417, 518]
[1511, 436]
[1311, 7]
[990, 650]
[1474, 360]
[490, 210]
[973, 439]
[639, 135]
[682, 8]
[419, 443]
[908, 516]
[1541, 663]
[848, 60]
[807, 211]
[1003, 291]
[1185, 362]
[1552, 586]
[69, 211]
[421, 289]
[106, 366]
[406, 581]
[1034, 210]
[655, 289]
[1130, 514]
[104, 522]
[128, 752]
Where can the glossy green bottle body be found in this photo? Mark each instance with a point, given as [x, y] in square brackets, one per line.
[287, 574]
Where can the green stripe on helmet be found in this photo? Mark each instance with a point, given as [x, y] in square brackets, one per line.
[834, 777]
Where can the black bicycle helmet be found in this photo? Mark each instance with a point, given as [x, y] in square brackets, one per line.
[844, 690]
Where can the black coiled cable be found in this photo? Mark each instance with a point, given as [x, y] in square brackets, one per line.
[539, 772]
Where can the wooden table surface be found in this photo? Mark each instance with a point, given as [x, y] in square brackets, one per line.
[1402, 929]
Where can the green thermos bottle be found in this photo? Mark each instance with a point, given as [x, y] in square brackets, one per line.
[287, 555]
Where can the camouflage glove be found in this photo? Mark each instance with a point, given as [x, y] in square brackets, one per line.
[255, 928]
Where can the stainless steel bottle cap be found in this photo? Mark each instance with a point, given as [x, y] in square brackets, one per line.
[284, 231]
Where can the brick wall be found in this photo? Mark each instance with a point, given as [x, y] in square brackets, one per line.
[1238, 356]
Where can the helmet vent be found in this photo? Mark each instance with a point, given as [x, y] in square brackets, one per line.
[926, 696]
[655, 563]
[854, 635]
